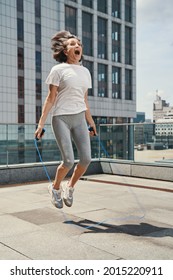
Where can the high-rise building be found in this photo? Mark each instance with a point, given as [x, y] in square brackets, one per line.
[161, 109]
[107, 29]
[163, 119]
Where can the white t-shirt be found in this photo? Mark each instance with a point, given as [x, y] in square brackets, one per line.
[73, 81]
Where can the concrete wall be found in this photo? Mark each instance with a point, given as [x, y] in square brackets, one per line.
[141, 170]
[35, 172]
[24, 173]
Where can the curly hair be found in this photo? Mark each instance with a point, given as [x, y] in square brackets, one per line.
[59, 44]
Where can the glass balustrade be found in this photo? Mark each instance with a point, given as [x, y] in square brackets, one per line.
[144, 142]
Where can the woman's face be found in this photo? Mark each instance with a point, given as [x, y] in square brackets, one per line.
[73, 49]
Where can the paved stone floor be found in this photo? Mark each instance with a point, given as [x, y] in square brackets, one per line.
[113, 217]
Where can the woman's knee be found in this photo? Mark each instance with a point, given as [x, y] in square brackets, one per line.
[85, 161]
[68, 163]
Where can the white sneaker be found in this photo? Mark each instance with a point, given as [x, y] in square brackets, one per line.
[68, 194]
[56, 196]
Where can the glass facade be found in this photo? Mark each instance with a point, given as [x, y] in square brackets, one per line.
[102, 80]
[70, 19]
[102, 38]
[87, 33]
[116, 42]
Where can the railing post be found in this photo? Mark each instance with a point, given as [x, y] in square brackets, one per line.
[99, 141]
[131, 142]
[7, 144]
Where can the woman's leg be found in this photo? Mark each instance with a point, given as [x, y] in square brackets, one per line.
[81, 138]
[63, 138]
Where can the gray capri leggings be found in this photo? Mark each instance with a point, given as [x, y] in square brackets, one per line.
[66, 128]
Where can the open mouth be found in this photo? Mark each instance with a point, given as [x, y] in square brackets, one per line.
[77, 52]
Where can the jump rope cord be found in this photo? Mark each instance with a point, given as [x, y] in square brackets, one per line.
[40, 157]
[109, 219]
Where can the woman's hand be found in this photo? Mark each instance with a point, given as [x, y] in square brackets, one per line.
[38, 132]
[89, 119]
[92, 130]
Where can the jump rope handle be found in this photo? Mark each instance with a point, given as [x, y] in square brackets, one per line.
[43, 131]
[90, 128]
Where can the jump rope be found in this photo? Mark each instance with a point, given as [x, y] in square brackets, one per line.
[124, 218]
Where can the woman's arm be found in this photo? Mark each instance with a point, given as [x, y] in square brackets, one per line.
[48, 104]
[88, 116]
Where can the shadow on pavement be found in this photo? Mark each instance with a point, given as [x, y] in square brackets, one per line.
[142, 229]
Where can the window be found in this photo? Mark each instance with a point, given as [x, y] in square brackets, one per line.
[116, 8]
[38, 89]
[89, 65]
[20, 6]
[116, 82]
[102, 6]
[21, 114]
[38, 62]
[87, 3]
[38, 34]
[128, 10]
[38, 113]
[128, 84]
[128, 45]
[116, 42]
[38, 8]
[102, 38]
[70, 19]
[20, 32]
[20, 57]
[102, 80]
[20, 87]
[87, 33]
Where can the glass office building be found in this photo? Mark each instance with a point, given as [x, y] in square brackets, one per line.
[107, 29]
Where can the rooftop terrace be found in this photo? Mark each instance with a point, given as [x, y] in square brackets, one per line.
[113, 217]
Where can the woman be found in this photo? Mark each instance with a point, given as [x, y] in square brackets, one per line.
[67, 99]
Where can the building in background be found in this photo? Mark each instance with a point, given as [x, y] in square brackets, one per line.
[143, 129]
[161, 109]
[140, 117]
[107, 29]
[163, 118]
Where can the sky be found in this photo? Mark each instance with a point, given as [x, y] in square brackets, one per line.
[154, 46]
